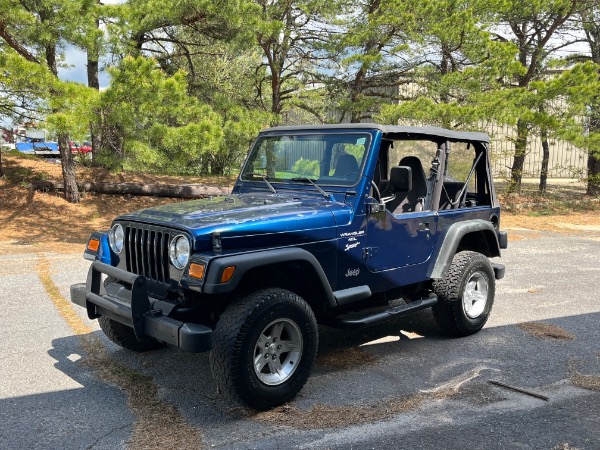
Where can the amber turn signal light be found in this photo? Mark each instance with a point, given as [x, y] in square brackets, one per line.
[227, 274]
[196, 271]
[93, 245]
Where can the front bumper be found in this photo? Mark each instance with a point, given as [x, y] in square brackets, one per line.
[132, 307]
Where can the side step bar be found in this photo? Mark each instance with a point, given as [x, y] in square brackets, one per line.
[382, 316]
[499, 270]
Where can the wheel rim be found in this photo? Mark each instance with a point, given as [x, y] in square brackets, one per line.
[475, 296]
[277, 352]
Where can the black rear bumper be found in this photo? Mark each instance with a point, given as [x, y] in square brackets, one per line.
[133, 308]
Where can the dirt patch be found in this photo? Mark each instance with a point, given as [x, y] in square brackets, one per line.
[345, 358]
[324, 416]
[50, 223]
[575, 222]
[327, 416]
[158, 424]
[565, 447]
[561, 196]
[534, 291]
[590, 382]
[516, 237]
[583, 381]
[546, 330]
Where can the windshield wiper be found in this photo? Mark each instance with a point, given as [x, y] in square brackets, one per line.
[306, 179]
[264, 178]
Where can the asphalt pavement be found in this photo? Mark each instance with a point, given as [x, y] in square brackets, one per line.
[401, 385]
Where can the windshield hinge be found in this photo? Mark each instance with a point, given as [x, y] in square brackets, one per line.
[369, 252]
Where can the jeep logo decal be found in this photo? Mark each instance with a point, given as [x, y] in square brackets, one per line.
[352, 273]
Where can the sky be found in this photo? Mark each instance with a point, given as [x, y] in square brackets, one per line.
[75, 60]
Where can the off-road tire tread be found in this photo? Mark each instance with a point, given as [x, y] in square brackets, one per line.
[124, 336]
[447, 312]
[225, 343]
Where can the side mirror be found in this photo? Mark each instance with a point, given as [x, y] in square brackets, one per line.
[401, 179]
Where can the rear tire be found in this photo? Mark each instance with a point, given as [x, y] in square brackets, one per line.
[124, 336]
[264, 348]
[466, 294]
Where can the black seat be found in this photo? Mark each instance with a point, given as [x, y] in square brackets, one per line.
[412, 200]
[345, 166]
[450, 194]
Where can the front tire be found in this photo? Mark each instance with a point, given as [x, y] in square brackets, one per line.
[124, 336]
[466, 294]
[264, 348]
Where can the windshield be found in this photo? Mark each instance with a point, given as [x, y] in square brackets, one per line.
[330, 159]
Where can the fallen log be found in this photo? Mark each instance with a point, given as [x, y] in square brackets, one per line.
[156, 190]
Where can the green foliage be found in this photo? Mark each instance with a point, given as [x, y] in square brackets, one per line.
[365, 58]
[306, 168]
[224, 70]
[239, 131]
[73, 107]
[160, 126]
[460, 82]
[356, 150]
[288, 32]
[24, 87]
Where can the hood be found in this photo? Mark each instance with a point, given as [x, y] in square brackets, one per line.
[248, 220]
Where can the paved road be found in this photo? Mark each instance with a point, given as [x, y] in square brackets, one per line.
[402, 385]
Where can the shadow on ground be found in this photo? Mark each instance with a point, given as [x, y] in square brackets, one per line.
[355, 390]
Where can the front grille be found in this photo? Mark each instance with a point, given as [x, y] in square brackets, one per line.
[147, 251]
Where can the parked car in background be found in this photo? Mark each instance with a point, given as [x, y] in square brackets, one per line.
[85, 147]
[80, 149]
[33, 146]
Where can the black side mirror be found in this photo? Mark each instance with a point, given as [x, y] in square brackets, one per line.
[401, 179]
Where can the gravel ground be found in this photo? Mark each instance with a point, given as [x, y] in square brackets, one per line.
[401, 385]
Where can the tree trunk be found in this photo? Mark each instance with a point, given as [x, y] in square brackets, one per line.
[545, 160]
[519, 160]
[205, 165]
[93, 82]
[66, 157]
[593, 177]
[68, 169]
[218, 166]
[356, 95]
[593, 165]
[276, 105]
[1, 170]
[92, 72]
[155, 190]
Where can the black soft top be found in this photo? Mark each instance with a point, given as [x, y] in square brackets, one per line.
[391, 130]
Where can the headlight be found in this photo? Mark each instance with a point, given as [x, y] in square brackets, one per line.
[116, 236]
[179, 251]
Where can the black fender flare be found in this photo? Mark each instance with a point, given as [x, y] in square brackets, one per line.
[245, 261]
[453, 237]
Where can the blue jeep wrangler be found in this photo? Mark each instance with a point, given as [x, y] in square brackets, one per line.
[325, 224]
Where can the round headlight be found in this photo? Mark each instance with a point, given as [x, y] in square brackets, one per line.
[179, 251]
[116, 238]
